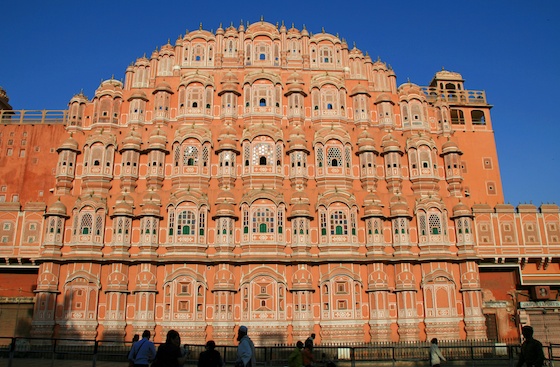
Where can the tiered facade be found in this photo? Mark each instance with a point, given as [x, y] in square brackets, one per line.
[278, 179]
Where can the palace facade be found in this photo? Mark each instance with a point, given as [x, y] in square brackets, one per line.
[266, 176]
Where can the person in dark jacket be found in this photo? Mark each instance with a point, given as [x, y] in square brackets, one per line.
[170, 353]
[210, 357]
[532, 354]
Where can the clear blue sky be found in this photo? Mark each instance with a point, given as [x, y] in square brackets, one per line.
[52, 50]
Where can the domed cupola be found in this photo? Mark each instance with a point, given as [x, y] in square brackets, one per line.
[295, 84]
[124, 206]
[227, 140]
[138, 94]
[300, 206]
[390, 144]
[410, 90]
[151, 203]
[461, 210]
[365, 143]
[450, 147]
[220, 30]
[157, 140]
[297, 141]
[230, 84]
[359, 89]
[372, 206]
[69, 144]
[57, 209]
[163, 87]
[399, 207]
[111, 86]
[384, 97]
[133, 141]
[225, 205]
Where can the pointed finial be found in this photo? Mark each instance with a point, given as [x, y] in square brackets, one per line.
[323, 29]
[262, 19]
[200, 26]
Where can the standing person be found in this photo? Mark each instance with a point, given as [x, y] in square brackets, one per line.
[310, 340]
[170, 354]
[435, 354]
[245, 350]
[531, 350]
[143, 351]
[210, 357]
[135, 338]
[296, 358]
[307, 354]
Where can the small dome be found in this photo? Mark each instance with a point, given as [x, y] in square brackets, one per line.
[138, 94]
[372, 206]
[57, 209]
[230, 83]
[133, 141]
[461, 210]
[383, 97]
[450, 147]
[399, 207]
[123, 206]
[410, 89]
[294, 31]
[79, 98]
[365, 143]
[225, 205]
[300, 206]
[151, 203]
[157, 140]
[69, 144]
[390, 144]
[163, 86]
[295, 84]
[297, 141]
[359, 89]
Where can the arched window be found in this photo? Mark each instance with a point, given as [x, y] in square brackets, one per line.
[263, 220]
[186, 222]
[262, 102]
[86, 223]
[339, 223]
[190, 156]
[334, 156]
[262, 161]
[435, 224]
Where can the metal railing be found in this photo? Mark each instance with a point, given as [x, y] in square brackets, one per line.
[33, 116]
[21, 352]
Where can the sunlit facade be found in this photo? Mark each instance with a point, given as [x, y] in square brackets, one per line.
[266, 176]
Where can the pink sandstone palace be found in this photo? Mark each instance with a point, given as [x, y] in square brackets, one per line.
[267, 176]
